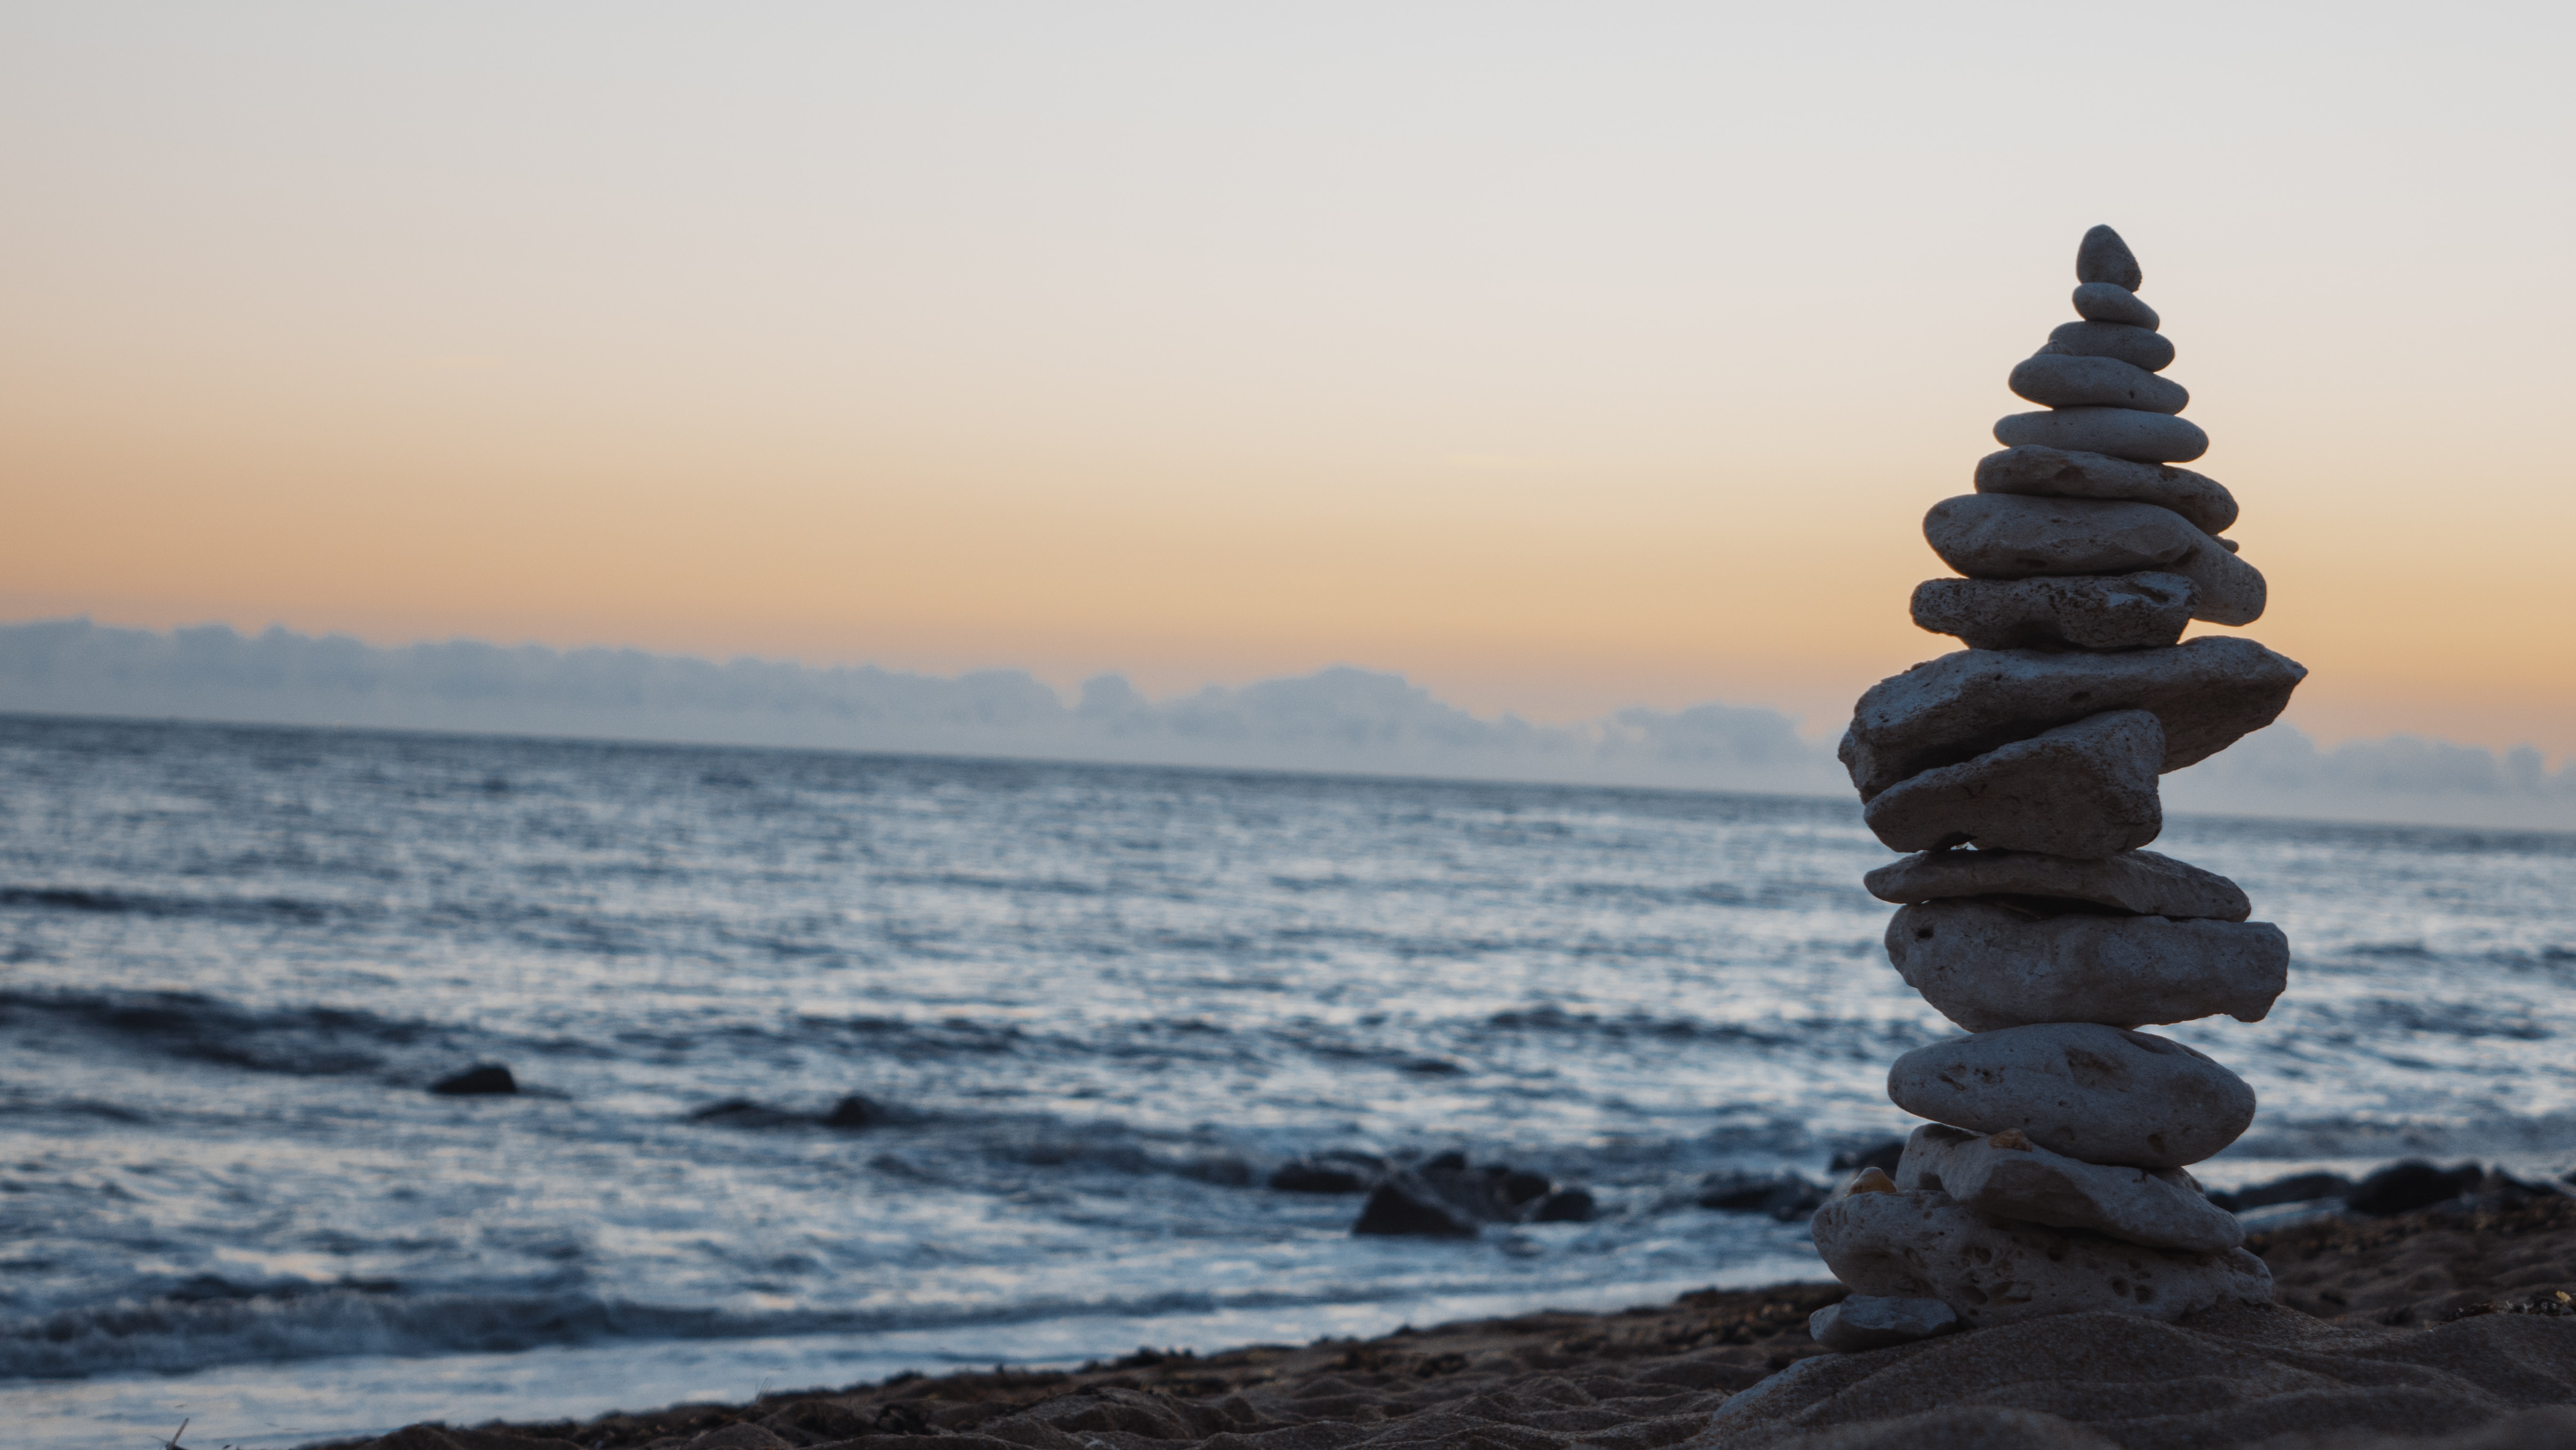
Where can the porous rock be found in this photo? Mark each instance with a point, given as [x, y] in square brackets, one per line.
[2083, 611]
[2060, 473]
[2207, 693]
[2013, 536]
[2120, 432]
[2102, 1094]
[2103, 257]
[2005, 1175]
[2142, 882]
[2110, 302]
[2136, 346]
[2064, 380]
[1923, 1245]
[1987, 964]
[2084, 790]
[1869, 1321]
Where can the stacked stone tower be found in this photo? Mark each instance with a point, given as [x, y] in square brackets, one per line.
[2022, 771]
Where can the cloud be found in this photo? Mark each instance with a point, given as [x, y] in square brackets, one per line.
[1339, 719]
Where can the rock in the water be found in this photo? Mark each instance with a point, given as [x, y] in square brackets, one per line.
[2137, 346]
[1565, 1205]
[2297, 1188]
[2103, 257]
[2066, 380]
[1926, 1246]
[2014, 536]
[1326, 1173]
[2085, 790]
[1784, 1196]
[1868, 1321]
[2008, 1176]
[2057, 473]
[1987, 965]
[1444, 1195]
[2208, 693]
[744, 1113]
[2128, 611]
[2101, 1094]
[855, 1112]
[484, 1079]
[2407, 1186]
[2109, 302]
[2142, 882]
[2120, 432]
[1404, 1206]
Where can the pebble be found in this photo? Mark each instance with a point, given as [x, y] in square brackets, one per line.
[2103, 257]
[2207, 692]
[2061, 381]
[2126, 611]
[2142, 882]
[2015, 536]
[2042, 472]
[2109, 302]
[1924, 1245]
[2129, 433]
[1988, 964]
[2009, 1176]
[2101, 1094]
[2085, 790]
[2136, 346]
[1870, 1321]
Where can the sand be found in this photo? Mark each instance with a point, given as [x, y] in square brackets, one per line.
[2448, 1328]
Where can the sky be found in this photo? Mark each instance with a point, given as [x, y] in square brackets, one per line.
[1559, 358]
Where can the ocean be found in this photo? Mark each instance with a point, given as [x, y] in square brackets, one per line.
[1091, 1010]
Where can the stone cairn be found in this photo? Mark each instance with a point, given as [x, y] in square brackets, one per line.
[2022, 772]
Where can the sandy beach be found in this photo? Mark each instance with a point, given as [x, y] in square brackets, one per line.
[2452, 1327]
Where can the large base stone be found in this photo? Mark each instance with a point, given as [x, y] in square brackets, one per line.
[1925, 1245]
[2009, 1177]
[2136, 881]
[2043, 472]
[2207, 692]
[1987, 965]
[2101, 1094]
[2085, 790]
[2129, 611]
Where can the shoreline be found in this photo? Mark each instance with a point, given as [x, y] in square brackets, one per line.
[2446, 1280]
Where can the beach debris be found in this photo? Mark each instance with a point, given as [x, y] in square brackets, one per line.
[2023, 771]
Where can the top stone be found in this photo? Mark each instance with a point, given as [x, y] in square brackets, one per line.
[2103, 257]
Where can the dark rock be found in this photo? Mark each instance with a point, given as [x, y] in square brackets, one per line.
[743, 1113]
[1517, 1189]
[2137, 346]
[2409, 1185]
[1784, 1196]
[2297, 1188]
[855, 1112]
[1327, 1173]
[1406, 1205]
[486, 1079]
[1451, 1162]
[1566, 1205]
[2103, 257]
[1882, 1156]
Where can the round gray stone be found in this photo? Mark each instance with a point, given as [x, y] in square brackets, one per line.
[1987, 965]
[2105, 302]
[2127, 611]
[2103, 257]
[2129, 433]
[2102, 1094]
[2142, 882]
[2063, 381]
[2085, 790]
[2136, 346]
[2040, 472]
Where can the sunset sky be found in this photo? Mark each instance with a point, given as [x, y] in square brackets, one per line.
[1560, 357]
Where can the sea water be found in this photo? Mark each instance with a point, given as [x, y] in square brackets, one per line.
[1095, 1007]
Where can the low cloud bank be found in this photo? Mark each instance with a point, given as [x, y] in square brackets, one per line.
[1338, 719]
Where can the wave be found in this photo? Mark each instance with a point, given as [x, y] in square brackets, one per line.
[308, 1041]
[121, 903]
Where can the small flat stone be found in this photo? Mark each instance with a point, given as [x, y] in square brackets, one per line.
[2015, 536]
[1924, 1245]
[2101, 1094]
[2106, 302]
[2085, 790]
[1868, 1321]
[2120, 432]
[2060, 380]
[2141, 882]
[2008, 1176]
[2136, 346]
[2040, 472]
[2127, 611]
[2208, 692]
[1987, 964]
[2103, 257]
